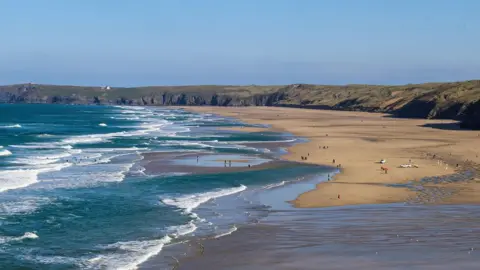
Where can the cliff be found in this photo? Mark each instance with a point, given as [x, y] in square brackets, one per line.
[457, 100]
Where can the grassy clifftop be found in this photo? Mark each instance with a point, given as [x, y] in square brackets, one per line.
[456, 100]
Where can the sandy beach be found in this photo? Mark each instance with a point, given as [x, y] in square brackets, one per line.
[358, 141]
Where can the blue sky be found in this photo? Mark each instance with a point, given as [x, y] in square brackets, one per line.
[179, 42]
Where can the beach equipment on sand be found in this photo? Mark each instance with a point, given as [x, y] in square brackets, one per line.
[383, 161]
[408, 166]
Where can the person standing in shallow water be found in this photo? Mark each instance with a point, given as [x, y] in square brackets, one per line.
[229, 163]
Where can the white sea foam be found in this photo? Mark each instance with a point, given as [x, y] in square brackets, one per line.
[45, 135]
[50, 260]
[41, 146]
[97, 159]
[180, 230]
[13, 179]
[84, 139]
[22, 205]
[5, 153]
[12, 126]
[102, 124]
[119, 149]
[274, 185]
[128, 112]
[135, 108]
[97, 138]
[230, 231]
[27, 235]
[126, 118]
[46, 159]
[192, 201]
[76, 177]
[127, 255]
[186, 143]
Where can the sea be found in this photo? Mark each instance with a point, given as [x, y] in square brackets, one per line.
[75, 192]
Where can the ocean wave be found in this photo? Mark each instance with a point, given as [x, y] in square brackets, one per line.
[5, 153]
[176, 231]
[127, 255]
[50, 260]
[44, 135]
[274, 185]
[84, 139]
[120, 149]
[99, 175]
[46, 159]
[185, 143]
[98, 138]
[23, 205]
[125, 118]
[192, 201]
[14, 179]
[102, 124]
[230, 231]
[41, 146]
[135, 108]
[43, 160]
[27, 235]
[12, 126]
[96, 159]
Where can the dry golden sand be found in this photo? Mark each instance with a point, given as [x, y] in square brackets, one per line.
[358, 141]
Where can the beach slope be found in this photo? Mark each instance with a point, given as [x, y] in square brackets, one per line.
[356, 142]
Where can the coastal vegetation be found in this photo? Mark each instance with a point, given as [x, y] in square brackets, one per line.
[453, 100]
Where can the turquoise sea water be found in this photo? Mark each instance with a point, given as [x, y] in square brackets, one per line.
[73, 193]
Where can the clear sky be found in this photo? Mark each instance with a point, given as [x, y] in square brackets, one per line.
[178, 42]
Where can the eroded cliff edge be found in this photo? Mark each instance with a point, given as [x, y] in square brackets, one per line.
[456, 100]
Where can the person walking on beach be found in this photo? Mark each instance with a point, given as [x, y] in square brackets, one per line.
[225, 164]
[229, 163]
[333, 161]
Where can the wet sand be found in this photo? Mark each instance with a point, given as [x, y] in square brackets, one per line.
[158, 163]
[360, 237]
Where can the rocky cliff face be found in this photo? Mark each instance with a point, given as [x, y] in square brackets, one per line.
[460, 101]
[471, 116]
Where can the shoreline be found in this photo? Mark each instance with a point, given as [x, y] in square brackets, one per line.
[373, 136]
